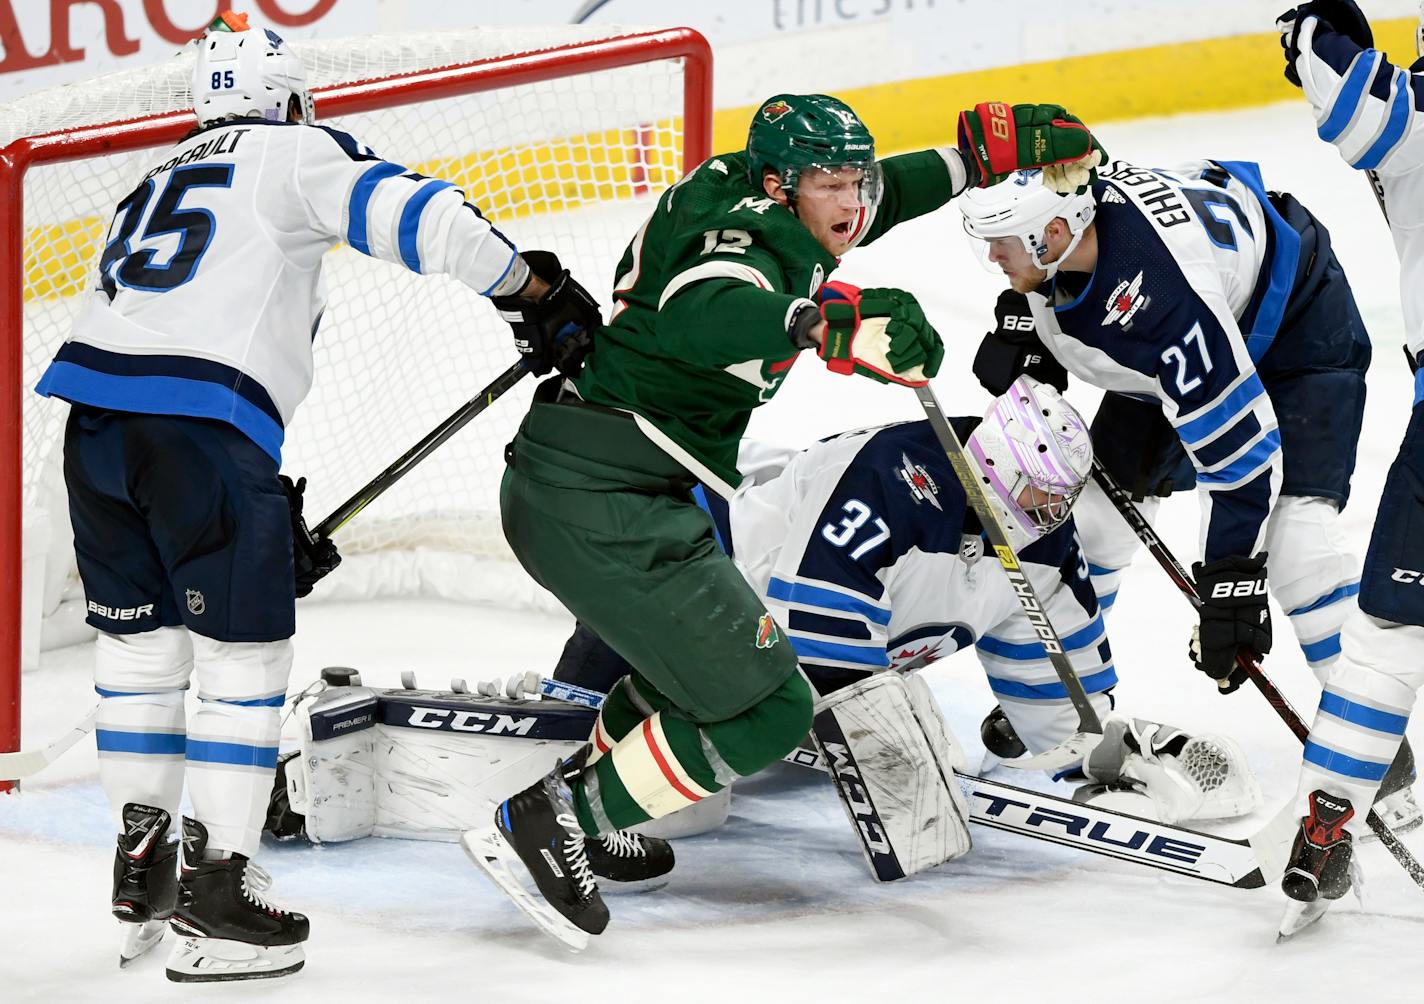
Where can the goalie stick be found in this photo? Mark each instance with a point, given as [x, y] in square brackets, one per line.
[1122, 502]
[1070, 751]
[1222, 860]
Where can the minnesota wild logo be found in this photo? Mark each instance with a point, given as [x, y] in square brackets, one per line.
[775, 110]
[766, 632]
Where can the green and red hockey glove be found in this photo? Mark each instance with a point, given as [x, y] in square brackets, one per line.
[879, 333]
[1001, 139]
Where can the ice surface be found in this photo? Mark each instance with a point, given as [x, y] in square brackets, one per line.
[778, 905]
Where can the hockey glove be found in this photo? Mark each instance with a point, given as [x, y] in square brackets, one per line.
[879, 333]
[1000, 140]
[312, 557]
[1344, 16]
[1012, 349]
[1235, 619]
[557, 329]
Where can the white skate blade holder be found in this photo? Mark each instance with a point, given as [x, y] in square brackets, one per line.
[491, 852]
[214, 960]
[138, 939]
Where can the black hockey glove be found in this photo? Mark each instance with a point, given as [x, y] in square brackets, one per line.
[1012, 349]
[557, 329]
[312, 557]
[1234, 618]
[1342, 15]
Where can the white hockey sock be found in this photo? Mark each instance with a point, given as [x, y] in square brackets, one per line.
[141, 739]
[1368, 696]
[1313, 575]
[139, 731]
[233, 737]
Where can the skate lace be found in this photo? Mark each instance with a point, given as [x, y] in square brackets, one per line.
[623, 844]
[577, 856]
[255, 882]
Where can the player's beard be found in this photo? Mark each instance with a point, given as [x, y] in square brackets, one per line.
[1027, 280]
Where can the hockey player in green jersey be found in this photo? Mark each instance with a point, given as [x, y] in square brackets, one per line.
[717, 295]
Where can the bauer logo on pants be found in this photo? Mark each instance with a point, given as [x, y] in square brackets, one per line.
[766, 635]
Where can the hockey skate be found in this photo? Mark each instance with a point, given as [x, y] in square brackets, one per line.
[229, 931]
[537, 828]
[633, 860]
[1319, 869]
[145, 879]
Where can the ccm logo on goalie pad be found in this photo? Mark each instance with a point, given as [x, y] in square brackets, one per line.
[1238, 590]
[462, 713]
[846, 773]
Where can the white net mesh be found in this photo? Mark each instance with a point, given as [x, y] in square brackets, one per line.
[570, 164]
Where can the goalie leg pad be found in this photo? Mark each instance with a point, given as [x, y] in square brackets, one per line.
[892, 760]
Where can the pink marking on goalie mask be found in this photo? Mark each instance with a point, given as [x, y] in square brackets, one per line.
[1034, 455]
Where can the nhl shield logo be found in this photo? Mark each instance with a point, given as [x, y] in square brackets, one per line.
[766, 635]
[196, 605]
[775, 110]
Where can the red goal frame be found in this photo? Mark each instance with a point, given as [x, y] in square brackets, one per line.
[160, 130]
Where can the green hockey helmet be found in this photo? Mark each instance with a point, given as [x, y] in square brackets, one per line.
[793, 133]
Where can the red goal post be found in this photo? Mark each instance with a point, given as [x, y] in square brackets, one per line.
[573, 181]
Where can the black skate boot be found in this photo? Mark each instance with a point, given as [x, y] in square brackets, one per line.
[145, 879]
[1318, 870]
[538, 828]
[229, 931]
[629, 858]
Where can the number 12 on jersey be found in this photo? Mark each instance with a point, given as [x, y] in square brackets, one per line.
[856, 513]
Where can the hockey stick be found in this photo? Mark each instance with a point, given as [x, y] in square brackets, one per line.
[1122, 502]
[1070, 751]
[1097, 830]
[24, 763]
[437, 437]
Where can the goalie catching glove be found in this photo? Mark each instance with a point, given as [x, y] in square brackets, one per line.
[879, 333]
[555, 330]
[1000, 139]
[1235, 618]
[312, 556]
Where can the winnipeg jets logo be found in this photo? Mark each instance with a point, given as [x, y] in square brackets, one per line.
[917, 479]
[1022, 178]
[1125, 301]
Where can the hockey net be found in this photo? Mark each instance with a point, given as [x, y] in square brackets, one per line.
[563, 136]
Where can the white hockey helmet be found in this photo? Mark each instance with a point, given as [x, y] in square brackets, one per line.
[246, 70]
[1033, 455]
[1022, 207]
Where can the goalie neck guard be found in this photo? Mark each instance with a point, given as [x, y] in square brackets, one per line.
[1033, 455]
[245, 71]
[1022, 207]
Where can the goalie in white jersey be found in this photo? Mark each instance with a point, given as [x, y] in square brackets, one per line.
[1373, 112]
[868, 556]
[183, 369]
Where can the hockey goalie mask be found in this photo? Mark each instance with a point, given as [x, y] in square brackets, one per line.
[1033, 455]
[246, 71]
[1020, 210]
